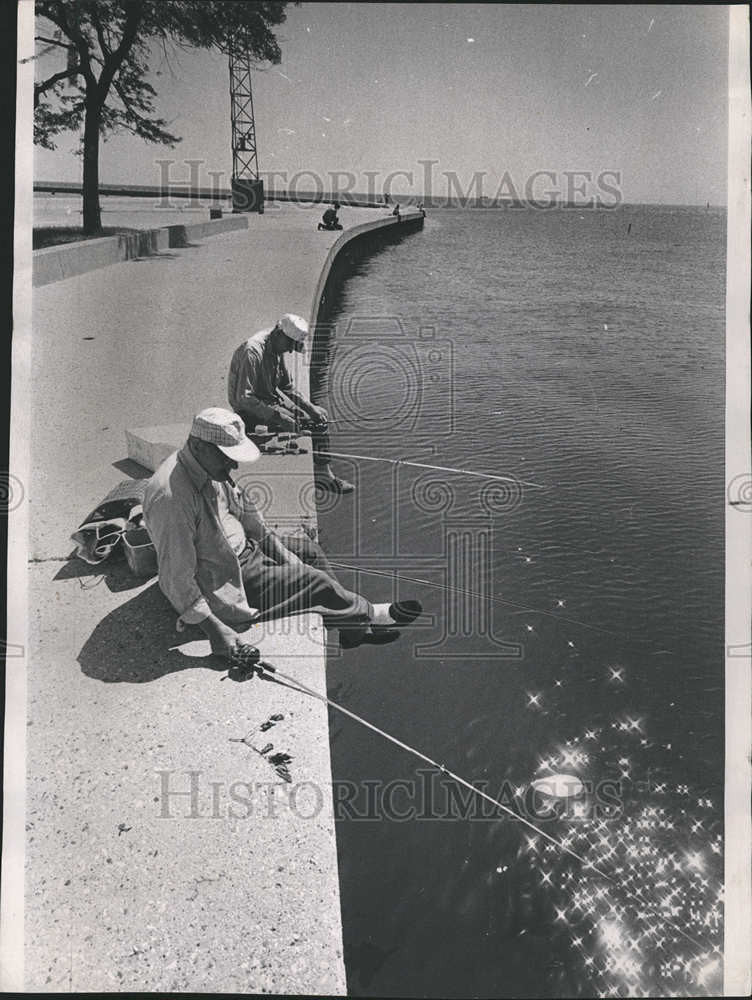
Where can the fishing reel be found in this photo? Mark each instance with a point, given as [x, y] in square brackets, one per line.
[307, 426]
[246, 662]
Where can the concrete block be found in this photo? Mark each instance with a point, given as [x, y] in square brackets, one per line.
[46, 266]
[247, 195]
[150, 446]
[182, 235]
[70, 259]
[66, 261]
[178, 236]
[152, 241]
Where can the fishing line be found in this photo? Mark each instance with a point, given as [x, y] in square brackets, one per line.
[495, 600]
[435, 468]
[441, 767]
[263, 666]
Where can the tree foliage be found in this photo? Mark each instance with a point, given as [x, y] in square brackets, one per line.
[105, 44]
[101, 85]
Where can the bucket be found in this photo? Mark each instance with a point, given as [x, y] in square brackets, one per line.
[140, 552]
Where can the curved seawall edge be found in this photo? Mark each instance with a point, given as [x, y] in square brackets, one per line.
[363, 239]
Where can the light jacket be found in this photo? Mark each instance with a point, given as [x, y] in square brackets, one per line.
[199, 571]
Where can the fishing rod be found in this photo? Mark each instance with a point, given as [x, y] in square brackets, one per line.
[308, 427]
[263, 667]
[435, 468]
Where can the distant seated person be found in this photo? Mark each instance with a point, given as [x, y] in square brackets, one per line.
[260, 389]
[330, 219]
[222, 568]
[396, 210]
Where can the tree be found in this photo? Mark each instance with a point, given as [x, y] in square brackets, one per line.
[106, 46]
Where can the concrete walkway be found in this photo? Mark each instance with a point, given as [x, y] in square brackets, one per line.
[129, 887]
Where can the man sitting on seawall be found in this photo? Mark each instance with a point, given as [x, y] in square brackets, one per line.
[261, 390]
[223, 569]
[330, 219]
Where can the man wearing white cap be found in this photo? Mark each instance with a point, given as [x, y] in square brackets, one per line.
[223, 569]
[261, 390]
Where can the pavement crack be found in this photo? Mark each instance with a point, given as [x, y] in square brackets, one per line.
[199, 881]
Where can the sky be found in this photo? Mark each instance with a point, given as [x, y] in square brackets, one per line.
[503, 91]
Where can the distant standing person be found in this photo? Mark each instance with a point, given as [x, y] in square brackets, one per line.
[330, 219]
[261, 390]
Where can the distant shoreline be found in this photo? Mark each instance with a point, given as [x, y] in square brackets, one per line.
[356, 200]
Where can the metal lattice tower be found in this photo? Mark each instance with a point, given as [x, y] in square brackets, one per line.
[244, 155]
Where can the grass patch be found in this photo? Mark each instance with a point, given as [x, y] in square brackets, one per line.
[52, 236]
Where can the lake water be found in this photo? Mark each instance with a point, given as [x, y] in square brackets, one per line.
[574, 609]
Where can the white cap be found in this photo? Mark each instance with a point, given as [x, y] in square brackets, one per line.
[227, 431]
[294, 327]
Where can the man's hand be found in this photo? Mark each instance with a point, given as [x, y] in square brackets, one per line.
[244, 657]
[318, 414]
[222, 638]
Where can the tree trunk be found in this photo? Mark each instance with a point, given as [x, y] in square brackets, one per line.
[92, 210]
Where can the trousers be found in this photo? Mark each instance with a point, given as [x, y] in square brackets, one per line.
[279, 590]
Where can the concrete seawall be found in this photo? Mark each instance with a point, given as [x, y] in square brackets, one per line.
[70, 259]
[359, 241]
[143, 872]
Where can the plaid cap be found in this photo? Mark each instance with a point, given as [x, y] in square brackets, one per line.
[227, 431]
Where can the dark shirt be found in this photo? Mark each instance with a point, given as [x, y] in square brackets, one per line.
[256, 375]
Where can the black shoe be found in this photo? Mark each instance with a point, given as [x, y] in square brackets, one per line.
[351, 640]
[405, 612]
[334, 484]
